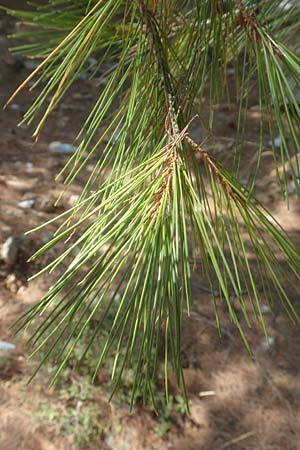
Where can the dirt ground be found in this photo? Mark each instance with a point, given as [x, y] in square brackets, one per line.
[236, 403]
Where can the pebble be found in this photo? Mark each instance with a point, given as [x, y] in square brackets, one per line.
[7, 346]
[292, 187]
[9, 250]
[14, 107]
[73, 200]
[265, 309]
[12, 283]
[267, 344]
[277, 142]
[62, 148]
[29, 167]
[89, 167]
[27, 204]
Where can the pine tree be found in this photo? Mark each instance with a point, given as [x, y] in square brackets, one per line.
[157, 198]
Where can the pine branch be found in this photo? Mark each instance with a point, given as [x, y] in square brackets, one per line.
[154, 205]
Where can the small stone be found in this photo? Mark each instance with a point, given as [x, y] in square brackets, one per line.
[90, 167]
[62, 148]
[7, 347]
[9, 250]
[265, 309]
[73, 200]
[14, 107]
[293, 186]
[27, 204]
[29, 167]
[277, 142]
[10, 361]
[12, 283]
[267, 344]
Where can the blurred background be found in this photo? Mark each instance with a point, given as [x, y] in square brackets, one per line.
[236, 402]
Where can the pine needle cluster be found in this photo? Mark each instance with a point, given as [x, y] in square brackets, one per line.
[159, 198]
